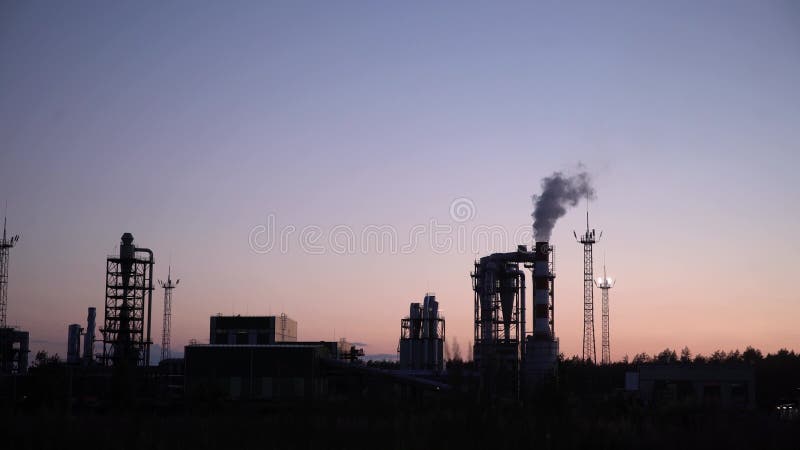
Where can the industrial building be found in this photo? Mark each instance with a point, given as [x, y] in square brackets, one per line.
[255, 371]
[128, 305]
[724, 385]
[508, 359]
[14, 351]
[258, 357]
[76, 354]
[252, 330]
[422, 337]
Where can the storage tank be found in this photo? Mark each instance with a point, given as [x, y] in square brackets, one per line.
[88, 338]
[74, 344]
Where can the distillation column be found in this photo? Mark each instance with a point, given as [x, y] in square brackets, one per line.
[129, 297]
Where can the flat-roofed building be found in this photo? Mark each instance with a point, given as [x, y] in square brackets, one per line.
[252, 330]
[276, 371]
[726, 385]
[13, 351]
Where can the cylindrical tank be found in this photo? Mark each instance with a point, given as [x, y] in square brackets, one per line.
[74, 344]
[415, 314]
[88, 338]
[486, 291]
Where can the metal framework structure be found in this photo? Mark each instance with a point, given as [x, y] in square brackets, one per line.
[14, 351]
[588, 240]
[284, 332]
[129, 297]
[498, 283]
[499, 287]
[605, 284]
[422, 336]
[168, 286]
[413, 328]
[5, 245]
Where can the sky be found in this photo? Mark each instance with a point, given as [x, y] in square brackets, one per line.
[211, 130]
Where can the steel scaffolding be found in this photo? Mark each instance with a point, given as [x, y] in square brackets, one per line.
[129, 296]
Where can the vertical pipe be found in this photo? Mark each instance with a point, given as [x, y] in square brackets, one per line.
[553, 291]
[150, 264]
[521, 276]
[149, 309]
[88, 338]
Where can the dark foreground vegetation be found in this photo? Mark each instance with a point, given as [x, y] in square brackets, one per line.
[587, 409]
[567, 423]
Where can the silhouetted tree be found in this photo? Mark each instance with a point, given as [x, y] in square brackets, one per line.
[42, 359]
[718, 356]
[752, 355]
[733, 356]
[642, 358]
[686, 355]
[667, 356]
[456, 351]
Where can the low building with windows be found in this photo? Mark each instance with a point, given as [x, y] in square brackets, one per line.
[258, 358]
[724, 385]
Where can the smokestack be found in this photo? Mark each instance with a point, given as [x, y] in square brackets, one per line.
[74, 344]
[88, 338]
[542, 285]
[541, 351]
[559, 191]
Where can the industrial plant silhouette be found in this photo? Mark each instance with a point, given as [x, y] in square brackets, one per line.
[256, 379]
[384, 225]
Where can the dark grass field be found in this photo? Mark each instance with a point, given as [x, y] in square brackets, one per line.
[586, 409]
[451, 424]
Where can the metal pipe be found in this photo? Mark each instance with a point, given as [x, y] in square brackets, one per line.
[149, 302]
[88, 338]
[521, 276]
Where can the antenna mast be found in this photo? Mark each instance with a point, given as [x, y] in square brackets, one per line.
[5, 245]
[165, 336]
[588, 239]
[605, 284]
